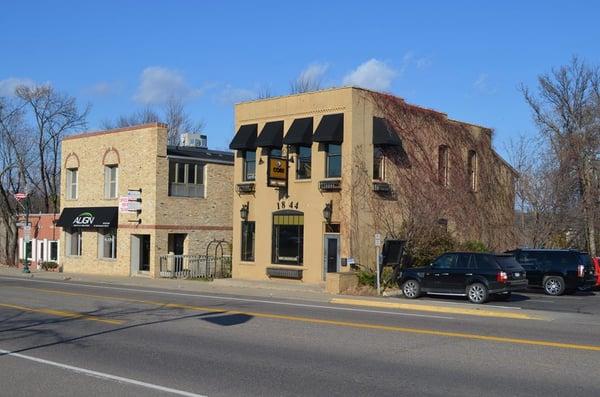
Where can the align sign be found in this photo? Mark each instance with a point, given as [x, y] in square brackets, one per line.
[90, 217]
[277, 172]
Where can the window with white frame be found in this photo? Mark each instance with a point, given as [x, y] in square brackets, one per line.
[53, 251]
[111, 184]
[186, 179]
[74, 242]
[72, 179]
[107, 244]
[378, 163]
[443, 165]
[472, 170]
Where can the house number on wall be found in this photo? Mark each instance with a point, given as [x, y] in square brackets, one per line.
[282, 205]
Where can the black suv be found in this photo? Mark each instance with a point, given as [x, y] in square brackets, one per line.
[475, 275]
[557, 271]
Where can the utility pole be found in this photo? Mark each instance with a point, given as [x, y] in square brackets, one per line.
[26, 236]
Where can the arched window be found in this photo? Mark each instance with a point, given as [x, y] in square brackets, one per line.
[472, 170]
[443, 162]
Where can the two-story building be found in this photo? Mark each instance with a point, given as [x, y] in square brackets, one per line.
[128, 200]
[318, 174]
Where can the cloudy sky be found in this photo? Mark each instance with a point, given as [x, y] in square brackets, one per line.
[465, 58]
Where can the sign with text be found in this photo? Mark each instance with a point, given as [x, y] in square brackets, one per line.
[124, 204]
[377, 240]
[277, 169]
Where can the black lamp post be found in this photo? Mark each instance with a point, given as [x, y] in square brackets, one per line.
[327, 211]
[244, 211]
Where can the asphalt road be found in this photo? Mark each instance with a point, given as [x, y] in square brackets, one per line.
[587, 302]
[67, 338]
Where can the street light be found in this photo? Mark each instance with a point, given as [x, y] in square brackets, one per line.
[327, 211]
[244, 211]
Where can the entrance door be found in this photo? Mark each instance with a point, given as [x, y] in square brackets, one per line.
[140, 253]
[332, 255]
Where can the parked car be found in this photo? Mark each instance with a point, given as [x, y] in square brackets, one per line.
[596, 261]
[474, 275]
[557, 271]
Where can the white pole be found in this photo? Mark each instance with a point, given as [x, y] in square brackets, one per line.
[378, 275]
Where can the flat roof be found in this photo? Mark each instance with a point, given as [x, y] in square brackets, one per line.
[196, 153]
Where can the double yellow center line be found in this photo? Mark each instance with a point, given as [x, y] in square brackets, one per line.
[418, 331]
[61, 313]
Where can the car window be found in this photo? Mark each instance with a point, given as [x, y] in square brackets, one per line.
[585, 260]
[528, 257]
[508, 262]
[463, 261]
[486, 262]
[560, 259]
[445, 261]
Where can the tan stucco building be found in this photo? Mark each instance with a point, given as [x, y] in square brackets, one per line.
[128, 199]
[318, 174]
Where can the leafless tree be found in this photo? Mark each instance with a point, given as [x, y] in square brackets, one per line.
[305, 83]
[172, 113]
[264, 92]
[566, 109]
[15, 161]
[53, 116]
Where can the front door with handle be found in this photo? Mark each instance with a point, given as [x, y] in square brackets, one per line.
[331, 254]
[441, 273]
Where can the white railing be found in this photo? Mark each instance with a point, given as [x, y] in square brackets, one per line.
[195, 266]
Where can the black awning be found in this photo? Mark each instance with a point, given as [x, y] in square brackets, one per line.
[89, 217]
[330, 129]
[384, 134]
[271, 135]
[300, 132]
[245, 139]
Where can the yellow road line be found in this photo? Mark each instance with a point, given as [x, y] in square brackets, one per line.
[61, 313]
[437, 309]
[432, 332]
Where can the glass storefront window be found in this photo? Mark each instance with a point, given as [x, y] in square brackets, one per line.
[288, 238]
[108, 244]
[248, 232]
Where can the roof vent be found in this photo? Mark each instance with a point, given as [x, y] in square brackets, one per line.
[193, 140]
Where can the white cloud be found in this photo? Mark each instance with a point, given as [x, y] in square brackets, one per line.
[230, 95]
[482, 84]
[313, 72]
[104, 88]
[8, 86]
[373, 74]
[157, 84]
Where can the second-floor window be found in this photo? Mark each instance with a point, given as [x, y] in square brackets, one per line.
[249, 165]
[72, 177]
[304, 166]
[186, 179]
[111, 181]
[378, 164]
[334, 161]
[472, 170]
[443, 163]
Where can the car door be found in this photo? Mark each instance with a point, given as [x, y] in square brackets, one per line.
[441, 269]
[456, 281]
[532, 263]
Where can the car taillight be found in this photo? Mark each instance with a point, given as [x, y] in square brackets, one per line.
[501, 277]
[580, 271]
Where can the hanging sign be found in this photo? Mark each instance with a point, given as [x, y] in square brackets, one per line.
[277, 169]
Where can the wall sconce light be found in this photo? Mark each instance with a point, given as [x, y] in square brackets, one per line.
[244, 211]
[328, 211]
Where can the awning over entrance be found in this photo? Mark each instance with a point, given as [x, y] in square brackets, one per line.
[330, 129]
[384, 134]
[245, 139]
[300, 132]
[89, 217]
[271, 135]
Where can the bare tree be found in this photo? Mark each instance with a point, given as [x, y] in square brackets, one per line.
[306, 82]
[53, 115]
[172, 113]
[15, 161]
[566, 109]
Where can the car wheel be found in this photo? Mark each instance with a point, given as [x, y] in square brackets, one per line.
[477, 293]
[411, 289]
[554, 286]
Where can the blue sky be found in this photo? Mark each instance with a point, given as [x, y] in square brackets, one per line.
[465, 58]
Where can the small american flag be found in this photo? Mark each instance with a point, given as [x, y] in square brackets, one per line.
[20, 196]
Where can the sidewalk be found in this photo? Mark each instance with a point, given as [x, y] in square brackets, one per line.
[281, 289]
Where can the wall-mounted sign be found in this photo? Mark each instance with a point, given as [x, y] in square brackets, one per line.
[277, 170]
[124, 204]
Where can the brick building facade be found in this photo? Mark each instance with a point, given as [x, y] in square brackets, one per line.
[128, 199]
